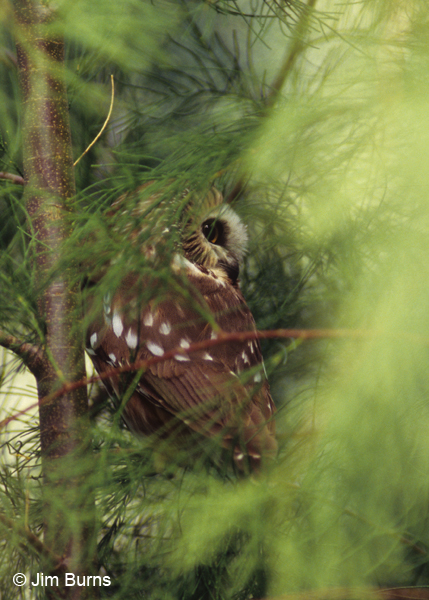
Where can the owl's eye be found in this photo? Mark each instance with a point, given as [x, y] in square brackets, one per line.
[214, 232]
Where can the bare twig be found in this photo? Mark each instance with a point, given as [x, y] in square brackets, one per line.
[104, 125]
[222, 338]
[413, 593]
[369, 593]
[12, 177]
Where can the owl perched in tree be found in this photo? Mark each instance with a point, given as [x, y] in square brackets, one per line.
[219, 392]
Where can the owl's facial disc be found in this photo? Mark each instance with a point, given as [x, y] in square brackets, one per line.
[214, 236]
[225, 233]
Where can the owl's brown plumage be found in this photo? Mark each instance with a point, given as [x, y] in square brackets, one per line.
[220, 392]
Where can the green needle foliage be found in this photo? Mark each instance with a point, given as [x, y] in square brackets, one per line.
[314, 120]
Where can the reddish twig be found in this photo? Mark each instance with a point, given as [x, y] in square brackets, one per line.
[370, 593]
[413, 593]
[222, 337]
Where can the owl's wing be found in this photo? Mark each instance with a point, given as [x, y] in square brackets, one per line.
[221, 391]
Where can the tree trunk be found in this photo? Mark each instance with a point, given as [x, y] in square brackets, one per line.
[49, 186]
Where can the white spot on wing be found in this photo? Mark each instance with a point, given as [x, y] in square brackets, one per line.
[155, 348]
[91, 352]
[254, 455]
[112, 357]
[207, 356]
[257, 378]
[245, 358]
[165, 328]
[213, 335]
[148, 320]
[131, 339]
[184, 344]
[181, 357]
[252, 349]
[106, 301]
[117, 325]
[93, 340]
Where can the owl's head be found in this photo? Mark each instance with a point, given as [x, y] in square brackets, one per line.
[211, 236]
[214, 237]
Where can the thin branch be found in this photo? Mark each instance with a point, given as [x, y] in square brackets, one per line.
[370, 593]
[401, 538]
[277, 85]
[32, 541]
[413, 593]
[18, 414]
[104, 125]
[291, 55]
[10, 56]
[31, 355]
[12, 177]
[353, 514]
[221, 338]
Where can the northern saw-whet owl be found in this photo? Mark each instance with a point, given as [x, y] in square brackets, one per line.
[219, 392]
